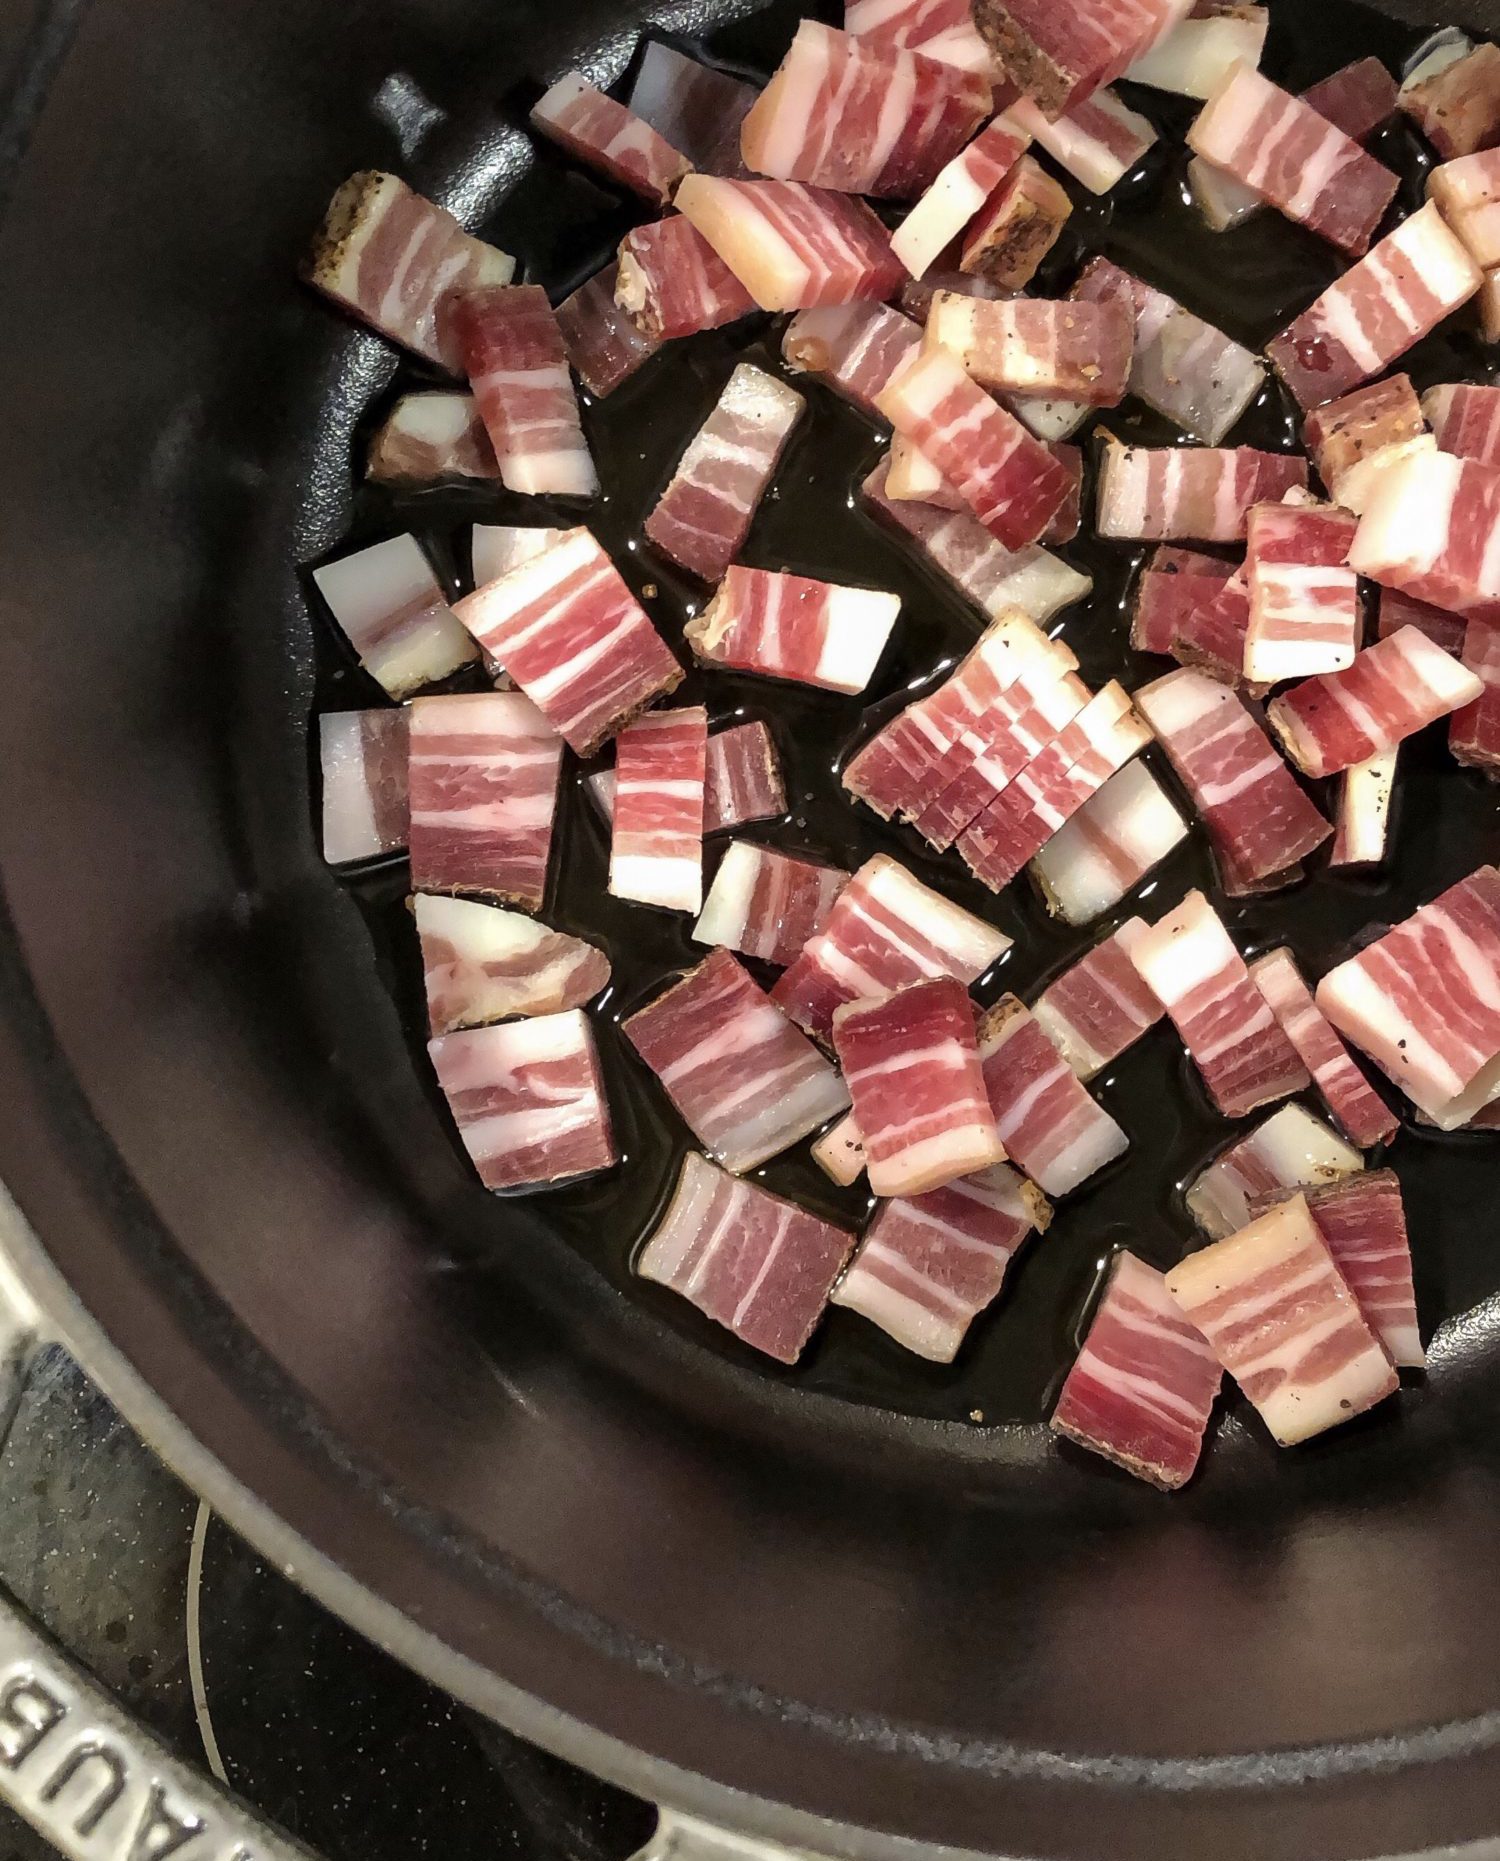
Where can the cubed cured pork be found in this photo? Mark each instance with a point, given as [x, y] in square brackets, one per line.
[1283, 1323]
[1466, 417]
[656, 843]
[573, 637]
[746, 1082]
[1397, 294]
[1288, 1151]
[497, 548]
[1097, 141]
[431, 436]
[695, 107]
[1474, 734]
[844, 113]
[767, 904]
[671, 283]
[1262, 823]
[606, 135]
[363, 758]
[1174, 585]
[398, 263]
[1424, 1001]
[1295, 158]
[1454, 99]
[1212, 637]
[1356, 439]
[1361, 1113]
[761, 1267]
[1362, 819]
[1114, 841]
[482, 964]
[483, 776]
[1190, 963]
[605, 346]
[912, 1067]
[855, 348]
[1142, 1389]
[392, 610]
[1432, 530]
[1050, 1126]
[703, 517]
[1038, 346]
[744, 781]
[1363, 1224]
[958, 195]
[1024, 219]
[1101, 1007]
[1195, 494]
[1392, 690]
[1060, 55]
[840, 1152]
[1399, 610]
[790, 627]
[527, 1099]
[793, 247]
[930, 1264]
[942, 29]
[1305, 615]
[1199, 53]
[517, 364]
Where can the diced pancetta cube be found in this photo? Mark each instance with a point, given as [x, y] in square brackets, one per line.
[1430, 531]
[1212, 637]
[793, 247]
[746, 1082]
[1174, 585]
[1050, 1126]
[431, 436]
[1474, 734]
[840, 1152]
[605, 346]
[1305, 615]
[1288, 1151]
[767, 904]
[1362, 819]
[497, 548]
[1358, 98]
[1144, 1385]
[1111, 844]
[744, 778]
[695, 107]
[363, 758]
[1024, 219]
[392, 610]
[1454, 99]
[790, 627]
[1200, 52]
[855, 348]
[1098, 141]
[930, 1264]
[607, 136]
[656, 843]
[1037, 346]
[942, 29]
[1465, 417]
[1363, 1224]
[1399, 610]
[911, 1063]
[1361, 1113]
[958, 195]
[1283, 1323]
[482, 964]
[517, 364]
[1359, 437]
[528, 1099]
[670, 282]
[761, 1267]
[1101, 1007]
[1060, 55]
[1468, 195]
[1197, 494]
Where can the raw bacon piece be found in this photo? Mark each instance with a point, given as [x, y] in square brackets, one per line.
[703, 517]
[745, 1081]
[1455, 100]
[483, 780]
[1397, 294]
[1468, 193]
[1144, 1385]
[1047, 1122]
[1197, 55]
[1060, 55]
[1023, 221]
[656, 847]
[1363, 818]
[605, 346]
[483, 964]
[517, 364]
[840, 1152]
[1174, 585]
[1098, 141]
[1035, 346]
[573, 637]
[1363, 1224]
[1424, 1001]
[761, 1267]
[1099, 1008]
[1226, 1024]
[363, 757]
[693, 106]
[1398, 610]
[957, 195]
[670, 282]
[1466, 417]
[1305, 614]
[1394, 688]
[527, 1099]
[1280, 146]
[767, 904]
[605, 135]
[398, 263]
[1196, 494]
[965, 554]
[912, 1067]
[497, 548]
[1008, 479]
[1474, 735]
[1109, 846]
[787, 626]
[1290, 1150]
[793, 247]
[389, 605]
[1212, 636]
[843, 113]
[886, 930]
[1260, 819]
[1361, 1113]
[855, 348]
[1358, 438]
[744, 778]
[1358, 98]
[930, 1265]
[942, 29]
[1280, 1319]
[1430, 531]
[428, 437]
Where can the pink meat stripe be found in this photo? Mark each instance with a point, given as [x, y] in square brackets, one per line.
[1142, 1388]
[1226, 1024]
[958, 195]
[1288, 1151]
[942, 29]
[912, 1068]
[855, 348]
[1101, 1007]
[1111, 844]
[1098, 141]
[1474, 734]
[1305, 614]
[672, 283]
[692, 106]
[1214, 635]
[793, 247]
[607, 136]
[392, 610]
[483, 778]
[430, 436]
[1357, 437]
[1026, 345]
[1061, 55]
[1189, 494]
[1432, 531]
[1175, 584]
[1050, 1126]
[527, 1099]
[1363, 1225]
[482, 964]
[604, 346]
[517, 364]
[1361, 1113]
[1281, 1320]
[790, 627]
[843, 113]
[656, 846]
[930, 1264]
[1465, 418]
[767, 904]
[573, 637]
[761, 1267]
[363, 757]
[745, 1081]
